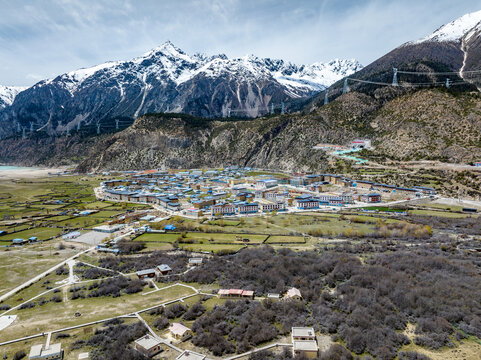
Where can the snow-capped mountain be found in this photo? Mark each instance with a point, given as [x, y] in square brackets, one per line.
[8, 94]
[460, 29]
[452, 51]
[166, 79]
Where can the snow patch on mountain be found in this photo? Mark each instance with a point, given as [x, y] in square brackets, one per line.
[466, 25]
[318, 76]
[169, 63]
[8, 94]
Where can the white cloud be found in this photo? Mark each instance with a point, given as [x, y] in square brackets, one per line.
[51, 37]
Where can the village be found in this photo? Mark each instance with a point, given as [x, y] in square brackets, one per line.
[137, 247]
[233, 192]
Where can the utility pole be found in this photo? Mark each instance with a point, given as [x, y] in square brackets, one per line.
[326, 97]
[394, 77]
[345, 89]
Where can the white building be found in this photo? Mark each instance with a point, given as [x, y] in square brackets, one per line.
[266, 184]
[304, 342]
[47, 352]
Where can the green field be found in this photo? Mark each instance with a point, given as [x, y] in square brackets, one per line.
[17, 265]
[201, 237]
[81, 221]
[285, 239]
[42, 233]
[214, 248]
[38, 319]
[439, 213]
[158, 237]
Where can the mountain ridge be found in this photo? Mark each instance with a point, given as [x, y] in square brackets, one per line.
[167, 79]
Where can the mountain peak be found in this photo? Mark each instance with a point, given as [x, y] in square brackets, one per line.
[8, 94]
[457, 29]
[167, 48]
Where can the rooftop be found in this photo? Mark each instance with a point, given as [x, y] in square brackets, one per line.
[37, 351]
[305, 345]
[178, 329]
[302, 331]
[148, 342]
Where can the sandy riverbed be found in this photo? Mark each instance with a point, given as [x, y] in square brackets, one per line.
[23, 172]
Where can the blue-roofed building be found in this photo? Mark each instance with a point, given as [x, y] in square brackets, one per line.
[307, 203]
[169, 227]
[425, 190]
[246, 208]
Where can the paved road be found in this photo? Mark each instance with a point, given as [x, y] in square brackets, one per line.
[129, 315]
[257, 350]
[42, 275]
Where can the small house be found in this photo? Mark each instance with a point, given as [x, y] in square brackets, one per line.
[32, 239]
[303, 333]
[169, 227]
[195, 261]
[47, 352]
[273, 296]
[180, 332]
[308, 348]
[147, 273]
[293, 294]
[371, 198]
[18, 241]
[162, 270]
[148, 345]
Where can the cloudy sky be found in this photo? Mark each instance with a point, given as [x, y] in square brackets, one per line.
[43, 38]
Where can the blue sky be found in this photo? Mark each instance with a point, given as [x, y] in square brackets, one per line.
[40, 39]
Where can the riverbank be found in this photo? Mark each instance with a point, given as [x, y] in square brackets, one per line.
[18, 172]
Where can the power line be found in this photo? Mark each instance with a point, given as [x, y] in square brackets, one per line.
[438, 73]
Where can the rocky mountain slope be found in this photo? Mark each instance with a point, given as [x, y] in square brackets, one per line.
[404, 123]
[453, 51]
[425, 124]
[166, 79]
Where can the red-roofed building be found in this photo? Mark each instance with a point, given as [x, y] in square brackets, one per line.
[223, 293]
[235, 292]
[248, 294]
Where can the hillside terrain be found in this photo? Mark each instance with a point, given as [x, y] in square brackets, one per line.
[451, 52]
[147, 94]
[427, 124]
[166, 79]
